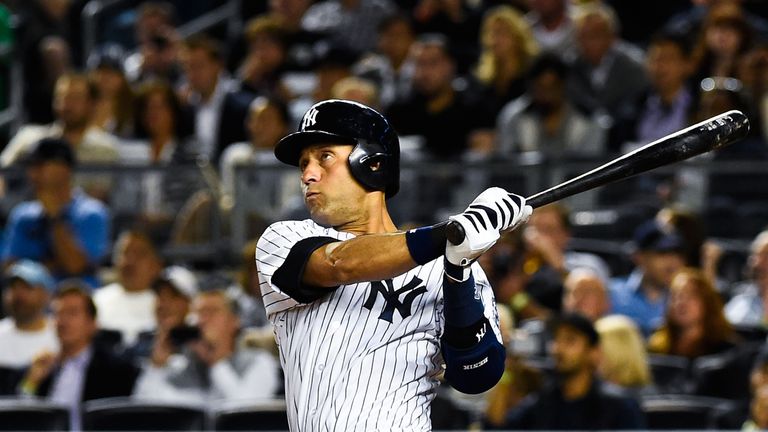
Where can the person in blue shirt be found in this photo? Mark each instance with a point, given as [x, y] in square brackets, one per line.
[642, 296]
[62, 227]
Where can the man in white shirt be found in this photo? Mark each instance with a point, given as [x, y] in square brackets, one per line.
[128, 305]
[28, 329]
[210, 365]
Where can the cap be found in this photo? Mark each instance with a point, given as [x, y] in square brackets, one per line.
[32, 273]
[652, 237]
[51, 149]
[578, 322]
[108, 57]
[181, 279]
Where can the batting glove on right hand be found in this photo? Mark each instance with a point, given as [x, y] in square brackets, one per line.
[492, 212]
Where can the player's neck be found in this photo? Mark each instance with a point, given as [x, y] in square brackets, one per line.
[374, 218]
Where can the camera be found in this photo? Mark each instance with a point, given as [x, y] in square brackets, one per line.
[181, 335]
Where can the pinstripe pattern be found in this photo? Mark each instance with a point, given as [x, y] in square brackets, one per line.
[345, 368]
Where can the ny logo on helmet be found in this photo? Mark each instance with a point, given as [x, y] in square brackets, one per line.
[310, 118]
[392, 297]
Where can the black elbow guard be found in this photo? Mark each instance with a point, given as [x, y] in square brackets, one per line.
[478, 368]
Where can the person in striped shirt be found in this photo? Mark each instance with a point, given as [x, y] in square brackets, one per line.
[368, 317]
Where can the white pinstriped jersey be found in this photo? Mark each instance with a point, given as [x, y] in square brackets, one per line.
[366, 356]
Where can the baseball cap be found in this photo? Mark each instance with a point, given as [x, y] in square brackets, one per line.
[180, 278]
[51, 149]
[32, 273]
[577, 322]
[650, 236]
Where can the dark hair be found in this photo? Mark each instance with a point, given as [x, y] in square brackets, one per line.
[149, 88]
[437, 40]
[158, 8]
[393, 19]
[77, 289]
[682, 42]
[90, 85]
[547, 62]
[206, 43]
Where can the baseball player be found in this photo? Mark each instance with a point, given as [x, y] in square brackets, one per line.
[367, 317]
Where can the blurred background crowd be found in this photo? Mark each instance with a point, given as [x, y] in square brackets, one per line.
[137, 172]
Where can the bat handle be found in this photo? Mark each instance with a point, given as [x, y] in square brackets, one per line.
[454, 232]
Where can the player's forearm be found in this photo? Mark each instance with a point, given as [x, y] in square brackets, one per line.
[364, 258]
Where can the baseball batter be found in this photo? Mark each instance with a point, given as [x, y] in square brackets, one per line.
[368, 317]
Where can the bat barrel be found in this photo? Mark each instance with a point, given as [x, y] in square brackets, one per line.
[711, 134]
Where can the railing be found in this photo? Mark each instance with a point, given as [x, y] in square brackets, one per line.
[263, 193]
[93, 12]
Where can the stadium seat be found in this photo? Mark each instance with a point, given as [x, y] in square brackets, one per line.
[670, 373]
[725, 375]
[125, 414]
[249, 416]
[25, 414]
[9, 379]
[682, 412]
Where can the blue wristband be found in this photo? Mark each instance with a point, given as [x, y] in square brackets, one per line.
[427, 243]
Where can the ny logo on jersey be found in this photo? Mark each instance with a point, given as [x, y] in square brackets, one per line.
[310, 118]
[392, 297]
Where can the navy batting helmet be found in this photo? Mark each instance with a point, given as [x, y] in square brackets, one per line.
[375, 159]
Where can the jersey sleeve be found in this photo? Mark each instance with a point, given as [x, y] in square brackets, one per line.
[282, 253]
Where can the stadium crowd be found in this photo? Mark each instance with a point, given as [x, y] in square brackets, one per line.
[153, 140]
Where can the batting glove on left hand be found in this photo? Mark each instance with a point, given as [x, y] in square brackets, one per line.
[493, 211]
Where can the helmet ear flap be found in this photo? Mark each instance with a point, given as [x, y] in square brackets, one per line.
[368, 165]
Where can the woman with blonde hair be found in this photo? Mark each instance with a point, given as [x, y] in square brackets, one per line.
[695, 323]
[624, 361]
[508, 48]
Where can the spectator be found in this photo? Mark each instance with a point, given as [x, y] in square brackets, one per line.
[268, 121]
[586, 294]
[390, 67]
[725, 37]
[74, 103]
[215, 368]
[518, 381]
[445, 116]
[174, 288]
[758, 410]
[127, 305]
[357, 89]
[552, 26]
[219, 108]
[157, 54]
[156, 197]
[27, 330]
[747, 307]
[549, 259]
[49, 36]
[80, 371]
[605, 72]
[331, 64]
[544, 120]
[753, 70]
[508, 50]
[642, 295]
[578, 400]
[459, 21]
[113, 110]
[690, 22]
[670, 103]
[624, 361]
[694, 322]
[62, 227]
[262, 70]
[299, 41]
[247, 292]
[351, 24]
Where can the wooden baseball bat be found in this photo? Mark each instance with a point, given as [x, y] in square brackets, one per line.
[714, 133]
